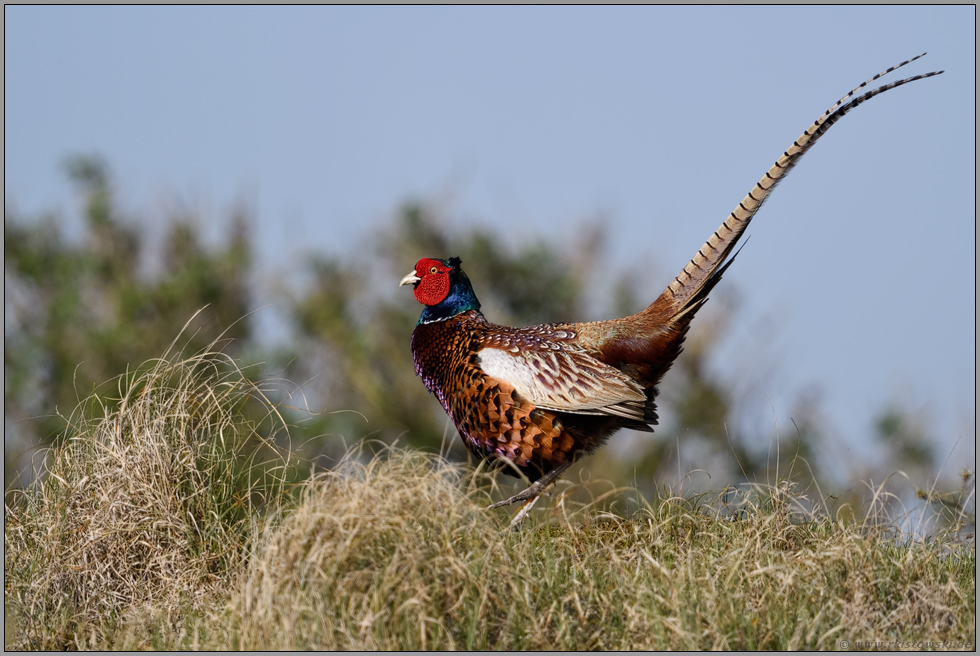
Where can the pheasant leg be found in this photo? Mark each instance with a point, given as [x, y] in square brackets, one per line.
[535, 488]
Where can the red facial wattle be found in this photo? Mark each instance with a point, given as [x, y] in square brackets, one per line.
[433, 286]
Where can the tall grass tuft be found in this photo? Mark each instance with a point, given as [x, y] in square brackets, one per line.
[399, 553]
[146, 508]
[163, 521]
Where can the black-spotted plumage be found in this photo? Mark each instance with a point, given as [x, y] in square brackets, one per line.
[541, 396]
[564, 403]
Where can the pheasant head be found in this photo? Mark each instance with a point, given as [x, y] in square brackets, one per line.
[442, 287]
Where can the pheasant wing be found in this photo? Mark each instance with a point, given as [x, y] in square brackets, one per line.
[556, 376]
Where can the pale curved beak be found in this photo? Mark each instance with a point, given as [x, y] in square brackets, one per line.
[410, 279]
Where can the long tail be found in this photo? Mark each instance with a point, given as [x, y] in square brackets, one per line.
[690, 288]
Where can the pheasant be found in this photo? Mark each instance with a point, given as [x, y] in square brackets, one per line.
[540, 397]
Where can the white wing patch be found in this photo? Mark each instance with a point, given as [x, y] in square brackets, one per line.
[553, 378]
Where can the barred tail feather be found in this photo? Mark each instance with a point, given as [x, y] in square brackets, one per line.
[689, 289]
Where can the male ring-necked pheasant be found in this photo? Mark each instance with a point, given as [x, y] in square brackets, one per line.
[542, 396]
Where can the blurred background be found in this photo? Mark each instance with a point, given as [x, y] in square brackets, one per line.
[285, 167]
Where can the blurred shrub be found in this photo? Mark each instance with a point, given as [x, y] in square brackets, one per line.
[78, 313]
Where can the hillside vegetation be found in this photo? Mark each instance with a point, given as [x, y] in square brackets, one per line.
[94, 290]
[168, 519]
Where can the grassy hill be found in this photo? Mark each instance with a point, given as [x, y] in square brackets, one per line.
[172, 520]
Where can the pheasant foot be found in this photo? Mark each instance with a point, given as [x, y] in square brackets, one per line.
[522, 513]
[534, 489]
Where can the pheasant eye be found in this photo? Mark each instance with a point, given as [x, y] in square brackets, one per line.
[433, 270]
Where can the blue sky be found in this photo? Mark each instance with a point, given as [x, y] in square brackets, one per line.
[859, 277]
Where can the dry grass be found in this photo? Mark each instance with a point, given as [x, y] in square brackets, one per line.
[399, 554]
[144, 510]
[138, 538]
